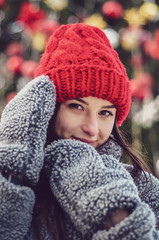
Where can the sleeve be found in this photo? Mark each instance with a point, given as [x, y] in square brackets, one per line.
[130, 227]
[89, 187]
[139, 224]
[23, 129]
[16, 207]
[148, 186]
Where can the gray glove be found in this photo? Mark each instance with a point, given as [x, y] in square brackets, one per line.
[23, 130]
[88, 186]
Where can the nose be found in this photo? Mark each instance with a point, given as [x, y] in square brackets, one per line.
[90, 125]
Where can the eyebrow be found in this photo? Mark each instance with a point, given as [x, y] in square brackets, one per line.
[82, 101]
[109, 106]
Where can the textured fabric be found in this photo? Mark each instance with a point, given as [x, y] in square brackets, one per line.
[23, 129]
[148, 187]
[16, 207]
[107, 147]
[89, 187]
[81, 62]
[87, 179]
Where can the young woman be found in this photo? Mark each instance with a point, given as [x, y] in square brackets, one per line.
[61, 175]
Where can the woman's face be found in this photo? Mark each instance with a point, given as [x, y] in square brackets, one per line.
[88, 119]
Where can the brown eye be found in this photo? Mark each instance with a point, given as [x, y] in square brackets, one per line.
[75, 106]
[105, 113]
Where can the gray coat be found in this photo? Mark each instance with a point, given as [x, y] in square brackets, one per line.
[89, 185]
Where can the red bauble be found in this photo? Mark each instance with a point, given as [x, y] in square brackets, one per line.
[14, 64]
[30, 13]
[2, 3]
[136, 60]
[10, 96]
[112, 9]
[15, 48]
[141, 86]
[46, 26]
[151, 46]
[28, 68]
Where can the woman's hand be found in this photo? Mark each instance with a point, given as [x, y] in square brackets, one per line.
[90, 187]
[116, 217]
[23, 130]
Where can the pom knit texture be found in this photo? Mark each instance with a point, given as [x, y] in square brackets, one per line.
[81, 62]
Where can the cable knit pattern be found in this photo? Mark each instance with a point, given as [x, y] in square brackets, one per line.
[81, 62]
[89, 188]
[23, 129]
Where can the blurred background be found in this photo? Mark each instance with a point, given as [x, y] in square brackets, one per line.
[133, 30]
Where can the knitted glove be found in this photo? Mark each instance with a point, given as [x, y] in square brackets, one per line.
[88, 188]
[23, 130]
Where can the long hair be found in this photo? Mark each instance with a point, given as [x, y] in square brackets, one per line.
[135, 157]
[48, 210]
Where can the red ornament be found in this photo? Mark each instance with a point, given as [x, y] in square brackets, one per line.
[136, 60]
[2, 3]
[141, 86]
[15, 48]
[28, 68]
[46, 26]
[151, 46]
[14, 64]
[112, 9]
[10, 96]
[30, 13]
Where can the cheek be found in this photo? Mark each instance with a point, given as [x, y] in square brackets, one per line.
[64, 125]
[106, 130]
[61, 124]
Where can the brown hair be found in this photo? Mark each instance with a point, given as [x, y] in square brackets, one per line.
[48, 210]
[135, 157]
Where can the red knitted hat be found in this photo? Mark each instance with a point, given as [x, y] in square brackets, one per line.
[81, 62]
